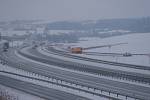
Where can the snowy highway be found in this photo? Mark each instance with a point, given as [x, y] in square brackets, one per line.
[120, 88]
[74, 50]
[14, 61]
[103, 69]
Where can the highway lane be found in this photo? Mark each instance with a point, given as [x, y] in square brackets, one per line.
[84, 67]
[99, 83]
[40, 91]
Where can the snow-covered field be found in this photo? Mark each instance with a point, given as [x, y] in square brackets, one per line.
[136, 44]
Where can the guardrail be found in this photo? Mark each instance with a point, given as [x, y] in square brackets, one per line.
[72, 85]
[36, 77]
[101, 90]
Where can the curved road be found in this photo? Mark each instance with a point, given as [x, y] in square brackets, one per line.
[90, 81]
[36, 55]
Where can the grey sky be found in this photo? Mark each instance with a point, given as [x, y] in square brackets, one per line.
[72, 9]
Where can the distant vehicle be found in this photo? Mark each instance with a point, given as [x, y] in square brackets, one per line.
[4, 46]
[35, 46]
[127, 54]
[79, 50]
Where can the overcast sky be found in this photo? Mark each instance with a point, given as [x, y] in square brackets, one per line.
[72, 9]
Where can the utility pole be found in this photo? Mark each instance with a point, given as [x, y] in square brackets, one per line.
[0, 36]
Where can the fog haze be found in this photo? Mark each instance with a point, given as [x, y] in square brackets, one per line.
[72, 9]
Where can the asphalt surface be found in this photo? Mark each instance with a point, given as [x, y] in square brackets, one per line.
[99, 83]
[40, 91]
